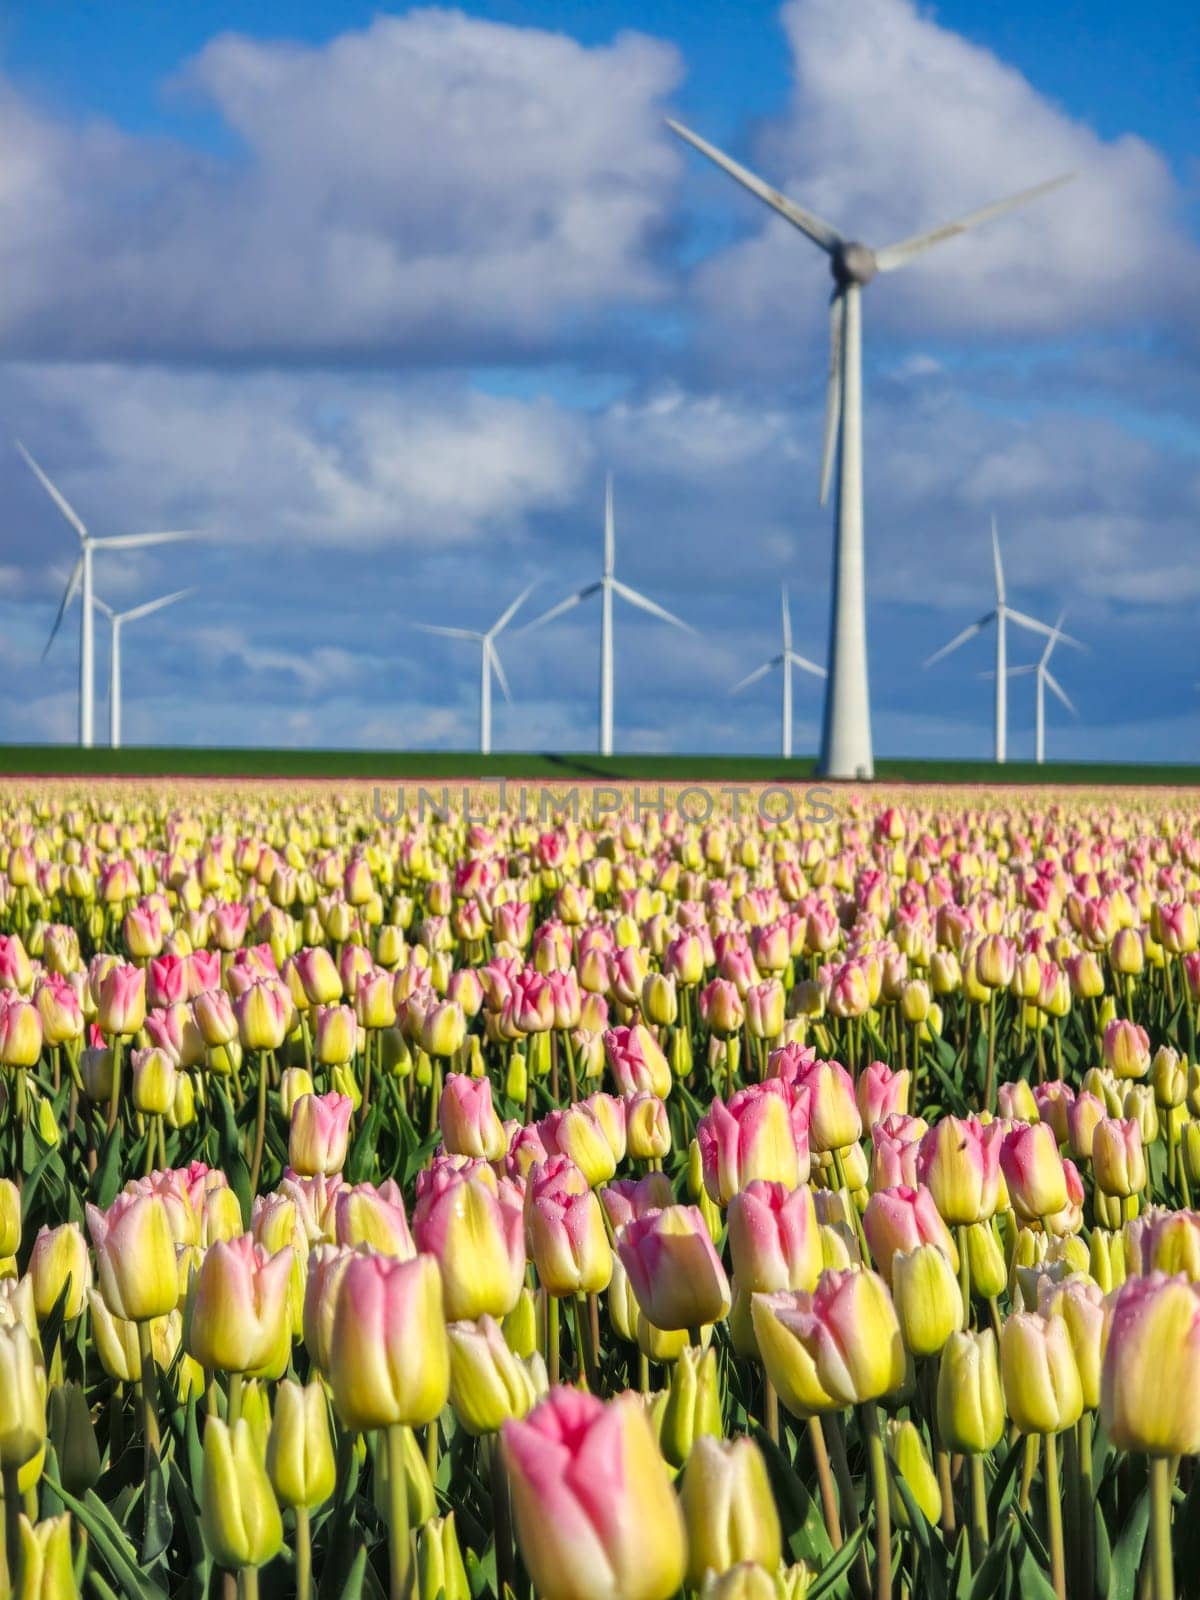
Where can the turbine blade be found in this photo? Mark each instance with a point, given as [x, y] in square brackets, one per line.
[806, 665]
[446, 633]
[135, 541]
[56, 494]
[1011, 672]
[154, 605]
[557, 611]
[902, 252]
[1034, 626]
[1055, 687]
[833, 390]
[812, 226]
[996, 562]
[499, 627]
[968, 632]
[610, 532]
[753, 677]
[787, 619]
[68, 595]
[1054, 638]
[497, 668]
[102, 606]
[655, 610]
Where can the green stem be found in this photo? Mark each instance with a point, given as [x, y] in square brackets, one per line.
[829, 1505]
[114, 1103]
[366, 1084]
[248, 1583]
[877, 1457]
[860, 1573]
[234, 1409]
[979, 1511]
[1162, 1480]
[585, 1359]
[989, 1092]
[1087, 1547]
[303, 1554]
[260, 1122]
[1054, 1518]
[398, 1545]
[552, 1340]
[964, 1273]
[12, 1528]
[501, 1519]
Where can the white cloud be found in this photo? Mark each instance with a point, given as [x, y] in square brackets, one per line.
[898, 124]
[432, 182]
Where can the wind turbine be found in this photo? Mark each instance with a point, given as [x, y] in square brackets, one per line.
[1045, 680]
[787, 659]
[489, 661]
[117, 619]
[1001, 615]
[846, 733]
[81, 576]
[606, 586]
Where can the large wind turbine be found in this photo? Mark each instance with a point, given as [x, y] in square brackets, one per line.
[117, 619]
[489, 661]
[846, 733]
[787, 659]
[81, 577]
[607, 585]
[1045, 680]
[1001, 615]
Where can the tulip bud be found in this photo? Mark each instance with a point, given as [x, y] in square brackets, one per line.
[319, 1133]
[389, 1357]
[728, 1508]
[238, 1511]
[1118, 1159]
[912, 1464]
[989, 1272]
[60, 1262]
[22, 1397]
[488, 1382]
[693, 1406]
[47, 1564]
[300, 1460]
[970, 1405]
[135, 1256]
[440, 1571]
[676, 1273]
[928, 1299]
[1042, 1388]
[648, 1131]
[1168, 1075]
[10, 1218]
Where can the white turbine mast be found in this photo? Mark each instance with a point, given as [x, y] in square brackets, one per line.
[117, 620]
[1001, 615]
[1045, 680]
[608, 585]
[489, 661]
[787, 659]
[846, 734]
[81, 579]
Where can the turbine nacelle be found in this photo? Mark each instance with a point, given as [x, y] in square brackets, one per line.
[852, 262]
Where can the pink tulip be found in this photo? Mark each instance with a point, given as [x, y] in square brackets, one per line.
[121, 1000]
[721, 1008]
[959, 1160]
[834, 1122]
[238, 1317]
[762, 1133]
[595, 1513]
[476, 1230]
[879, 1092]
[203, 972]
[901, 1219]
[319, 1133]
[389, 1358]
[633, 1197]
[774, 1240]
[564, 1226]
[228, 921]
[166, 980]
[364, 1214]
[1033, 1170]
[673, 1268]
[468, 1120]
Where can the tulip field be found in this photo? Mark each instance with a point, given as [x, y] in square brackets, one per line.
[451, 1202]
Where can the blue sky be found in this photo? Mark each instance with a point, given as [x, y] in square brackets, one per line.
[378, 297]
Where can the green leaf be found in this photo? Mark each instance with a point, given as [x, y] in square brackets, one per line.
[158, 1525]
[361, 1164]
[1127, 1556]
[829, 1579]
[107, 1178]
[798, 1510]
[994, 1564]
[110, 1544]
[1035, 1585]
[353, 1587]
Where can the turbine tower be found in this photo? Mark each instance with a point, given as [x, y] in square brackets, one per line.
[787, 659]
[1045, 680]
[846, 732]
[81, 578]
[607, 585]
[1001, 615]
[116, 620]
[489, 661]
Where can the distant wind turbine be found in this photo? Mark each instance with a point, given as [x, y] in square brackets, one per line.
[1045, 680]
[1001, 615]
[846, 734]
[489, 661]
[81, 576]
[117, 619]
[606, 586]
[787, 659]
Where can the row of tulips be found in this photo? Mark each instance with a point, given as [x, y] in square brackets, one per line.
[465, 1207]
